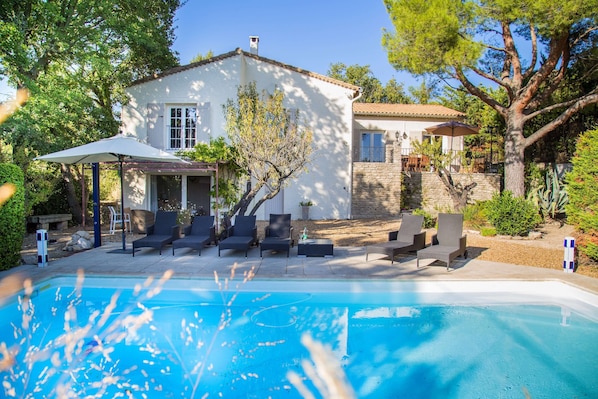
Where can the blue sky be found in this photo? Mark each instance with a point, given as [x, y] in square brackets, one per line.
[308, 34]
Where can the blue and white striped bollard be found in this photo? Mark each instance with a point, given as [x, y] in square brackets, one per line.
[42, 248]
[569, 258]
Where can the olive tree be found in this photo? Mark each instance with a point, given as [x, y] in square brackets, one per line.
[271, 143]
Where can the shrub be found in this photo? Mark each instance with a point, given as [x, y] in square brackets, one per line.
[488, 231]
[474, 215]
[512, 216]
[429, 220]
[582, 210]
[12, 217]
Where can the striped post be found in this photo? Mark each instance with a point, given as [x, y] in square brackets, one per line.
[42, 248]
[569, 257]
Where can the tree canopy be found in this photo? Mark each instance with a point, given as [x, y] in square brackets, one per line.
[36, 34]
[372, 89]
[525, 48]
[75, 57]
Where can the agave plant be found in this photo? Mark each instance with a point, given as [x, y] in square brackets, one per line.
[552, 197]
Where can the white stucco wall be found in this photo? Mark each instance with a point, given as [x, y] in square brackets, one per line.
[324, 106]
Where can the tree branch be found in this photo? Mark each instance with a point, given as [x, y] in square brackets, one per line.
[512, 58]
[557, 49]
[534, 51]
[577, 105]
[479, 93]
[553, 83]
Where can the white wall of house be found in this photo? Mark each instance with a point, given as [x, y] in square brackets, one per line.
[324, 106]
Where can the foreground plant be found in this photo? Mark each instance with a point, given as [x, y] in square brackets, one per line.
[81, 362]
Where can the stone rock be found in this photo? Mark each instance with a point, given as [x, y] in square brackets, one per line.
[534, 235]
[83, 234]
[80, 241]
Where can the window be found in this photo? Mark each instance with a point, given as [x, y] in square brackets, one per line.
[372, 147]
[183, 127]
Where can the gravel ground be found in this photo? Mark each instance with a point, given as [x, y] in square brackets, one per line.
[546, 251]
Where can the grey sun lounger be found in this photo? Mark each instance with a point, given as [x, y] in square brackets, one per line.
[449, 242]
[163, 232]
[241, 236]
[278, 234]
[408, 238]
[200, 233]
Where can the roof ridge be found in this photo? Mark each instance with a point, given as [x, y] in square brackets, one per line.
[394, 109]
[239, 51]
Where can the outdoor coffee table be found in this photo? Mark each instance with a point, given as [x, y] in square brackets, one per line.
[315, 247]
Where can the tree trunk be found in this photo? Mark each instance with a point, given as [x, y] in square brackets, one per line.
[515, 156]
[459, 193]
[71, 194]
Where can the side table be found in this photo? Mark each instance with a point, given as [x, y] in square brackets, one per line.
[315, 247]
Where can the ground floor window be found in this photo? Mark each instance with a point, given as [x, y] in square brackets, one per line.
[372, 147]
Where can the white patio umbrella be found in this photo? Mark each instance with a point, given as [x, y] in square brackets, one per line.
[119, 149]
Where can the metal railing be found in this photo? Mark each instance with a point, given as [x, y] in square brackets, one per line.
[486, 163]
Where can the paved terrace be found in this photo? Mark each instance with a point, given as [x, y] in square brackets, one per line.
[347, 263]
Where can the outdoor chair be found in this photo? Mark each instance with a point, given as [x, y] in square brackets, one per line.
[241, 236]
[449, 242]
[278, 234]
[163, 232]
[200, 233]
[119, 218]
[413, 163]
[408, 238]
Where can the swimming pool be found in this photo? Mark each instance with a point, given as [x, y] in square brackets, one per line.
[390, 339]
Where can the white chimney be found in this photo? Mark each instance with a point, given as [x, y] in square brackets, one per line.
[254, 44]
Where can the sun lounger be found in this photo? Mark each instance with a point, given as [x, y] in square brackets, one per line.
[449, 242]
[163, 232]
[200, 233]
[278, 234]
[408, 238]
[241, 236]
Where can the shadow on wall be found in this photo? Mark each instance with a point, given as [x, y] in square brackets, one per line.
[412, 194]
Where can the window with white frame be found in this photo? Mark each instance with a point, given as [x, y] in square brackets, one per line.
[182, 128]
[372, 147]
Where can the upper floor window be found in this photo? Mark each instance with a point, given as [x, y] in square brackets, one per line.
[372, 147]
[182, 127]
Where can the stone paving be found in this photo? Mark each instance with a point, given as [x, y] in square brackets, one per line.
[347, 263]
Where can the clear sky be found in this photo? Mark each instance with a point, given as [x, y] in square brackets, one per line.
[308, 34]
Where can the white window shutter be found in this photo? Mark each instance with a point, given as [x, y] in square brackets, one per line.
[204, 130]
[155, 125]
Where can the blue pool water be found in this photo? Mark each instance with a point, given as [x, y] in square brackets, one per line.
[391, 340]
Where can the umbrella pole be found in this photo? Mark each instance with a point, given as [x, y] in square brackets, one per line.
[122, 201]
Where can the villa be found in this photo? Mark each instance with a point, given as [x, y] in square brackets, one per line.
[360, 150]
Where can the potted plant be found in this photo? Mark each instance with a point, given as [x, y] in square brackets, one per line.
[305, 209]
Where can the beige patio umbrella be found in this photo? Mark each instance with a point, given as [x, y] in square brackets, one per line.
[119, 148]
[452, 129]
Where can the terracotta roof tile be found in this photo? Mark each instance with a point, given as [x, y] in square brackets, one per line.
[406, 110]
[238, 51]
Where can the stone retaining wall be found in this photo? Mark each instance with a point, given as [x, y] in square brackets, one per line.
[376, 190]
[425, 190]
